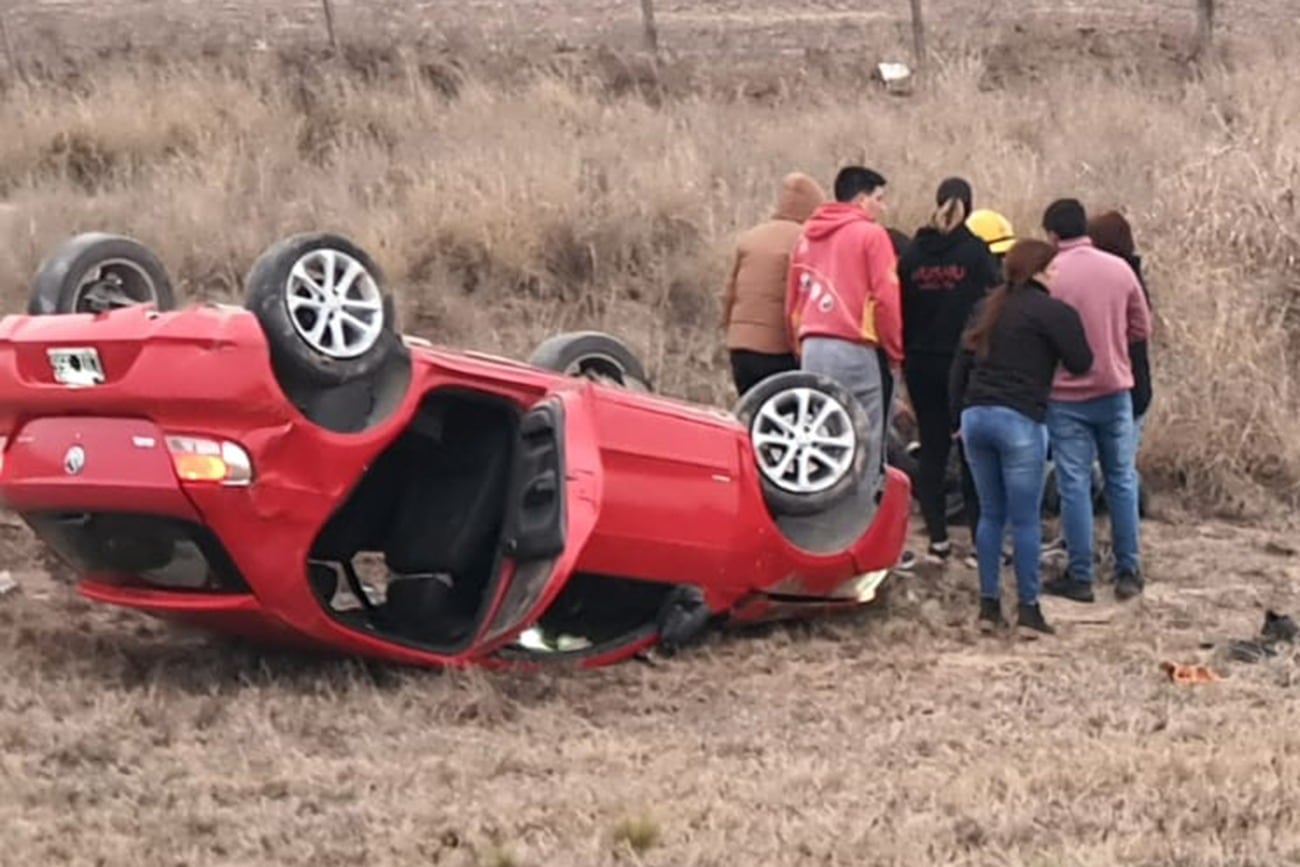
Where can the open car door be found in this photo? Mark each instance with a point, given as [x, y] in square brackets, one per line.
[553, 502]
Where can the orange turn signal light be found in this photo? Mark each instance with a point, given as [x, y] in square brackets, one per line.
[199, 459]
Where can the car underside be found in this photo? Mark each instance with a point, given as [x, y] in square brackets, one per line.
[329, 482]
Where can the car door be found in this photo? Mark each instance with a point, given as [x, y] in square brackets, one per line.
[553, 502]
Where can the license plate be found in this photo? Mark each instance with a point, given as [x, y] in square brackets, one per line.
[76, 366]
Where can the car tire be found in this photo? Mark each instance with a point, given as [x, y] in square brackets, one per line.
[318, 332]
[907, 457]
[1052, 493]
[903, 455]
[762, 410]
[594, 355]
[96, 271]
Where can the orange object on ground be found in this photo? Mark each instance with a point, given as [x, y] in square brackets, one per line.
[1182, 673]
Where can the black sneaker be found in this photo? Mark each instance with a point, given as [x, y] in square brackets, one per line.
[939, 552]
[1030, 621]
[991, 619]
[1128, 584]
[1069, 587]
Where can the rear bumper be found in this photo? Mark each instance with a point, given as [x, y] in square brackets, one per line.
[96, 464]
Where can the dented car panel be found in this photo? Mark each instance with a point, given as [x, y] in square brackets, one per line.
[642, 492]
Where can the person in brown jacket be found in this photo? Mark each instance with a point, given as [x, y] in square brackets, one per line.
[753, 308]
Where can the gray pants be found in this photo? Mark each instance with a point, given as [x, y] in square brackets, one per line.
[865, 373]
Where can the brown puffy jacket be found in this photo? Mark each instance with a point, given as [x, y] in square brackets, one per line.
[753, 308]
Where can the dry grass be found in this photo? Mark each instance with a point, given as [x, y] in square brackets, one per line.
[587, 194]
[899, 738]
[579, 190]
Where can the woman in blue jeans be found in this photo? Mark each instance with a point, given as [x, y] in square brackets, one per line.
[999, 386]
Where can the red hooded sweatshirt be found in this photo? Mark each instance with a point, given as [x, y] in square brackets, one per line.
[844, 281]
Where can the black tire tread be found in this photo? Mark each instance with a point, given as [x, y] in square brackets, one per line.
[55, 284]
[784, 502]
[292, 358]
[559, 351]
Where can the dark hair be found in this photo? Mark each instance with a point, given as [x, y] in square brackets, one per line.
[853, 181]
[1025, 259]
[949, 215]
[1066, 219]
[1112, 233]
[900, 240]
[955, 188]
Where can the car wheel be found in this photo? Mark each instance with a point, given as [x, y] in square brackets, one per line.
[955, 507]
[903, 455]
[593, 355]
[809, 436]
[94, 272]
[1051, 494]
[325, 308]
[954, 499]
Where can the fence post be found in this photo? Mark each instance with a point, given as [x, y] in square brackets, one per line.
[650, 30]
[10, 53]
[1204, 28]
[918, 38]
[328, 6]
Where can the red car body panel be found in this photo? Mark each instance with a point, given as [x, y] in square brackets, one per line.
[655, 489]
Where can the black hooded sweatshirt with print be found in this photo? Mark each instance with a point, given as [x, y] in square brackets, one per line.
[1139, 354]
[941, 278]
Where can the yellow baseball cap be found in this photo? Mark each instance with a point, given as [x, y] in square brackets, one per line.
[993, 228]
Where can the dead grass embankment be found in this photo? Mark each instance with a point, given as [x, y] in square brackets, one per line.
[504, 207]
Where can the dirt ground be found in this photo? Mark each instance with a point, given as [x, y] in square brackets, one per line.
[899, 736]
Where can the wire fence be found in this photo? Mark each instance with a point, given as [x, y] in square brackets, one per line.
[682, 27]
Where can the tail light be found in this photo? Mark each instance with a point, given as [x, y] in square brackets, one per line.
[198, 459]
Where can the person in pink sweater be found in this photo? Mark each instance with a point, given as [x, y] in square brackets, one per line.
[1090, 416]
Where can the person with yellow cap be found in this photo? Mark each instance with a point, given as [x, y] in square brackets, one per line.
[993, 229]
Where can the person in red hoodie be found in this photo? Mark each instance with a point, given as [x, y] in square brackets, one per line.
[842, 300]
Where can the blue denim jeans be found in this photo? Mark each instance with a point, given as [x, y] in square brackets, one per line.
[1082, 432]
[1007, 452]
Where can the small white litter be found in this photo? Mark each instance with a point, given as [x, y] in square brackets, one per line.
[7, 583]
[897, 77]
[537, 640]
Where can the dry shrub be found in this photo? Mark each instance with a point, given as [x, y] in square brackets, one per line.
[595, 195]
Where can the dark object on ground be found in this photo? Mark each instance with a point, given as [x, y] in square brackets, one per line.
[1249, 651]
[1278, 627]
[1069, 587]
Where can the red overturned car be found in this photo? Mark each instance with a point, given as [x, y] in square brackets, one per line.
[297, 470]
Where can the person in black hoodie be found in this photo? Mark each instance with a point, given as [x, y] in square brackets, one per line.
[1112, 233]
[946, 270]
[1000, 385]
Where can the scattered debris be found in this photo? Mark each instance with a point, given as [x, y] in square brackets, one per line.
[1183, 673]
[896, 77]
[7, 583]
[1280, 549]
[1278, 627]
[1249, 651]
